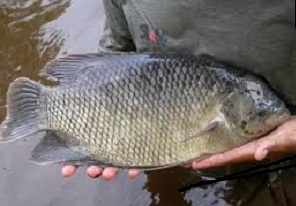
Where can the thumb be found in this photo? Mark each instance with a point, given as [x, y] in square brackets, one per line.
[264, 147]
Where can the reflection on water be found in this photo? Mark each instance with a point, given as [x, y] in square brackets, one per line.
[31, 34]
[21, 34]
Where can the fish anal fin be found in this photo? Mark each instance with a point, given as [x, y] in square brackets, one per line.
[53, 149]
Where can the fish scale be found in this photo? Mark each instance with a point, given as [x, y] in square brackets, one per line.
[141, 110]
[108, 139]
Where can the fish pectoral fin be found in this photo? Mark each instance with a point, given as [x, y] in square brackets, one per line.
[52, 149]
[68, 69]
[213, 125]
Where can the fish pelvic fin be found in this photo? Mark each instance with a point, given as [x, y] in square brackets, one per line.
[22, 110]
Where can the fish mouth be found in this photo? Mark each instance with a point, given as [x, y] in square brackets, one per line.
[279, 116]
[282, 114]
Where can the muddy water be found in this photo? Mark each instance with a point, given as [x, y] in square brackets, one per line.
[31, 34]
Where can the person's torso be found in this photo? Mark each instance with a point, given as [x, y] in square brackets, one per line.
[257, 35]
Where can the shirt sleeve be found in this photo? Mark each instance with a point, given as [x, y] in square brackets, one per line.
[116, 35]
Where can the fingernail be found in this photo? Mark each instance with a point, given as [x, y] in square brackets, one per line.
[94, 171]
[133, 174]
[109, 173]
[262, 155]
[68, 171]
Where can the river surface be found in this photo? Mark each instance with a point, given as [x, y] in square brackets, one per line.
[33, 32]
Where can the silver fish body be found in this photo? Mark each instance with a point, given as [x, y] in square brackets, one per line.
[143, 110]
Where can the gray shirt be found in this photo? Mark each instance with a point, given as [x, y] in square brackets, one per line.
[257, 35]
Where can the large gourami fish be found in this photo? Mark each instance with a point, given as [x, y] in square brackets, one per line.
[140, 110]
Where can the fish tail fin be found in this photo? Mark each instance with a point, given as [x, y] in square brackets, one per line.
[22, 110]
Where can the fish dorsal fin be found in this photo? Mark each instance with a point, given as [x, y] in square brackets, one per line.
[52, 149]
[68, 69]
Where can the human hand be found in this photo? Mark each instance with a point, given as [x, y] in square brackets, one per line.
[93, 171]
[279, 142]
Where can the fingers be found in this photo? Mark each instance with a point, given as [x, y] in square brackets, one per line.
[109, 173]
[263, 148]
[94, 171]
[68, 170]
[133, 173]
[281, 140]
[276, 142]
[236, 155]
[261, 154]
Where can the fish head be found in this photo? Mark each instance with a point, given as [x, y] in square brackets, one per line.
[254, 109]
